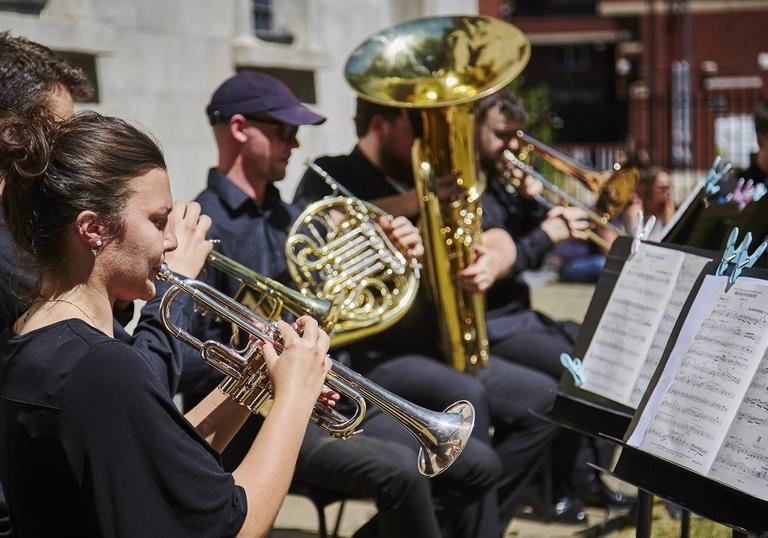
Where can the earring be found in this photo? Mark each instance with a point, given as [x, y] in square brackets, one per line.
[95, 249]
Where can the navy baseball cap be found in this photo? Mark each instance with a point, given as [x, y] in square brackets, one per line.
[252, 93]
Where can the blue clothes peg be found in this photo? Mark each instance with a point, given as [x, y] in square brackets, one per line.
[573, 367]
[714, 176]
[739, 256]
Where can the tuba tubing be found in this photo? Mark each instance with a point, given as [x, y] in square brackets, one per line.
[442, 436]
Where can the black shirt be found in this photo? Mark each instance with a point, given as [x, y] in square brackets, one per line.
[521, 218]
[354, 171]
[253, 236]
[17, 285]
[754, 172]
[92, 445]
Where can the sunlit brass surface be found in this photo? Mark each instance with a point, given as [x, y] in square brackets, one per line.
[442, 436]
[556, 197]
[613, 188]
[442, 66]
[438, 61]
[337, 251]
[271, 298]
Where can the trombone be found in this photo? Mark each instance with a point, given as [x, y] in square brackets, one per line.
[561, 196]
[442, 436]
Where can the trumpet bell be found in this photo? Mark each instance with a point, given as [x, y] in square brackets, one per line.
[438, 61]
[441, 448]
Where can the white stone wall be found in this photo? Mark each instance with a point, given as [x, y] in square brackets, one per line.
[158, 62]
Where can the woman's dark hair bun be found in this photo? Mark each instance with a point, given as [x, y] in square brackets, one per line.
[26, 145]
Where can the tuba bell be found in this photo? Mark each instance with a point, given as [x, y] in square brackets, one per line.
[442, 436]
[441, 66]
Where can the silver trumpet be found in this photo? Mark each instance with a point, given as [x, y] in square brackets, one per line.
[442, 436]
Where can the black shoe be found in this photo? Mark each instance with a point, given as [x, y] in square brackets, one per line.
[601, 496]
[568, 510]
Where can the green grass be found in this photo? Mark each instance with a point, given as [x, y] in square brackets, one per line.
[666, 527]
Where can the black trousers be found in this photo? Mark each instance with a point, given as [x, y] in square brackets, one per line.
[535, 341]
[519, 396]
[508, 392]
[465, 494]
[532, 339]
[5, 521]
[381, 463]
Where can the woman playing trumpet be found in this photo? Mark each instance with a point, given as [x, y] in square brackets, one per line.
[89, 433]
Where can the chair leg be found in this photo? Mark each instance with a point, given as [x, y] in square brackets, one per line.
[337, 526]
[322, 529]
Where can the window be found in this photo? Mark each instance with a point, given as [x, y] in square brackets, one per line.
[262, 15]
[33, 7]
[263, 23]
[571, 59]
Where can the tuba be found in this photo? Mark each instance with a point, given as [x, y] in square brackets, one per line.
[441, 66]
[442, 436]
[337, 252]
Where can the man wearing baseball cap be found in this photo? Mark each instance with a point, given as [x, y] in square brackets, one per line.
[255, 120]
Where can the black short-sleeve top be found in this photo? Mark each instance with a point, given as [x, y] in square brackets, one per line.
[92, 445]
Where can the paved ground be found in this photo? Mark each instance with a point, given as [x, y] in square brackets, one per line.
[298, 517]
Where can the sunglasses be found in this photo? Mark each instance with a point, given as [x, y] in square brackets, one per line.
[286, 133]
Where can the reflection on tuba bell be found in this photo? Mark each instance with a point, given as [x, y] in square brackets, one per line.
[337, 251]
[442, 65]
[442, 436]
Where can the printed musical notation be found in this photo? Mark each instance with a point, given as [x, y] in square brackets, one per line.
[689, 272]
[743, 458]
[709, 410]
[626, 329]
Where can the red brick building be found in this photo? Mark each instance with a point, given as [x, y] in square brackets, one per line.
[676, 78]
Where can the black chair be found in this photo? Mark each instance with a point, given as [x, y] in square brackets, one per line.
[320, 498]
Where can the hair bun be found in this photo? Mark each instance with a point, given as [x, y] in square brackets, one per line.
[26, 144]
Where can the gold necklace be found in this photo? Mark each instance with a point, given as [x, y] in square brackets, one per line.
[69, 303]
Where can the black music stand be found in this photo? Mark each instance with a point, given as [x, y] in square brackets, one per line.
[582, 410]
[708, 226]
[716, 501]
[701, 495]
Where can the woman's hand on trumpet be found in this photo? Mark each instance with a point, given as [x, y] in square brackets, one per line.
[299, 372]
[404, 235]
[190, 227]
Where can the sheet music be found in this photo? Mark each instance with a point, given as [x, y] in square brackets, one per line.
[743, 458]
[625, 331]
[707, 374]
[689, 272]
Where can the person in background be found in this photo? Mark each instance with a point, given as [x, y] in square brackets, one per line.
[517, 333]
[758, 166]
[255, 119]
[653, 198]
[379, 169]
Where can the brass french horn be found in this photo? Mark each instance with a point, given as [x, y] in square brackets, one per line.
[337, 252]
